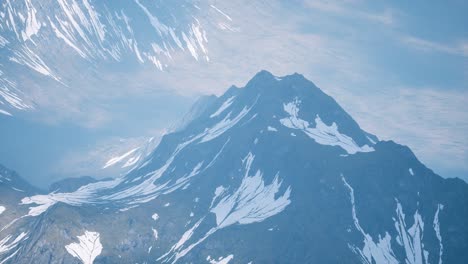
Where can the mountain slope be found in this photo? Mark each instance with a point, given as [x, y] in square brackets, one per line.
[275, 172]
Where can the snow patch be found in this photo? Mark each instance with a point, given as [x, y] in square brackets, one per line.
[436, 226]
[155, 216]
[321, 133]
[220, 260]
[88, 248]
[270, 128]
[218, 192]
[253, 201]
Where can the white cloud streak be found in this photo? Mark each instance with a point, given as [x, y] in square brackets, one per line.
[459, 49]
[352, 9]
[432, 122]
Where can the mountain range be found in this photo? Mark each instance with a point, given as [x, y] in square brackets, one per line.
[273, 172]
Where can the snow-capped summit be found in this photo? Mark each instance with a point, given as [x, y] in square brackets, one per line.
[274, 172]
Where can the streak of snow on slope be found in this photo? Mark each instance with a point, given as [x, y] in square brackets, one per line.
[411, 239]
[88, 248]
[175, 252]
[85, 194]
[371, 140]
[6, 245]
[144, 192]
[322, 134]
[117, 159]
[2, 209]
[252, 202]
[223, 107]
[220, 260]
[131, 161]
[437, 231]
[155, 233]
[217, 154]
[380, 252]
[225, 124]
[140, 193]
[16, 189]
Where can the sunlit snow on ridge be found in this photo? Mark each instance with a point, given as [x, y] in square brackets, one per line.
[322, 134]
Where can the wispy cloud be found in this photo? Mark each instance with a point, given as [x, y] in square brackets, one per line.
[353, 9]
[433, 122]
[459, 49]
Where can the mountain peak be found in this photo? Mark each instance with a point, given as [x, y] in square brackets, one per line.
[262, 76]
[266, 81]
[271, 160]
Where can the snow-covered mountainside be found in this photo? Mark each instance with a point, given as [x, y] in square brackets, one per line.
[275, 172]
[91, 35]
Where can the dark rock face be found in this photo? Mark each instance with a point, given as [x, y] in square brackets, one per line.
[275, 172]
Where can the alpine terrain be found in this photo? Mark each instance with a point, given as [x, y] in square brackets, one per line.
[274, 172]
